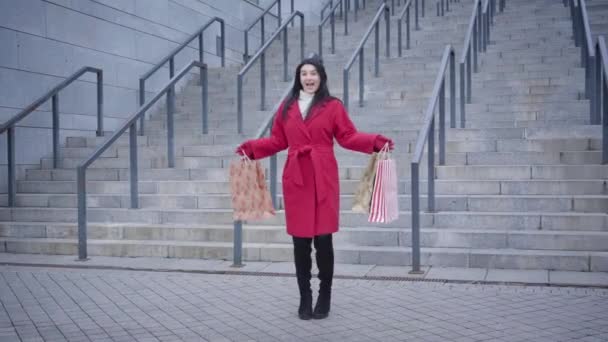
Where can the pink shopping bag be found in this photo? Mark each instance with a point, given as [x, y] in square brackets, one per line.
[385, 205]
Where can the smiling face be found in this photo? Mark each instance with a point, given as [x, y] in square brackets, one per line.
[309, 78]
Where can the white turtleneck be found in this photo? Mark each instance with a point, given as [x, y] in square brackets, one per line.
[304, 102]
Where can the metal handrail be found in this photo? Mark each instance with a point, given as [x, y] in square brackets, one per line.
[265, 127]
[131, 125]
[405, 11]
[601, 91]
[261, 20]
[475, 41]
[332, 19]
[171, 59]
[374, 25]
[53, 94]
[582, 35]
[261, 54]
[427, 133]
[330, 5]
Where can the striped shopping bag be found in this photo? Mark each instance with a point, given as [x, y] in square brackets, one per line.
[385, 203]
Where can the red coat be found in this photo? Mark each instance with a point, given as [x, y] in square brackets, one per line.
[311, 184]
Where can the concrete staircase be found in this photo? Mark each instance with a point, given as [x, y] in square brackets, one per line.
[523, 186]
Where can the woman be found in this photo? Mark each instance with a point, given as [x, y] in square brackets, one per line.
[307, 122]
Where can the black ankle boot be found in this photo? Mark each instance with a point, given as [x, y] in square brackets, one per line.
[303, 262]
[305, 309]
[323, 305]
[325, 264]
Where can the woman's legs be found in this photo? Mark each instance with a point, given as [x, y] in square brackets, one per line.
[301, 252]
[325, 262]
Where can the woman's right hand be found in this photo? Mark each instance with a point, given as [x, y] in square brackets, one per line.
[245, 150]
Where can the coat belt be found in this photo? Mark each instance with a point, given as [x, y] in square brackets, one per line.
[315, 152]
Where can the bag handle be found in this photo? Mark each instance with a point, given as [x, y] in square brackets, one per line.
[385, 152]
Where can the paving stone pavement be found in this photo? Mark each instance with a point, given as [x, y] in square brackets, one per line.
[57, 304]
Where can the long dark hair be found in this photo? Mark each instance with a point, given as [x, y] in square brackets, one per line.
[322, 93]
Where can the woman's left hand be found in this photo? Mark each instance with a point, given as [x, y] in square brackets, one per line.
[381, 141]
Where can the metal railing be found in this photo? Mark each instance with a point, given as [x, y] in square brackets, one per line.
[261, 55]
[427, 133]
[53, 94]
[344, 7]
[332, 20]
[601, 91]
[359, 52]
[405, 12]
[584, 39]
[475, 42]
[171, 59]
[262, 21]
[131, 125]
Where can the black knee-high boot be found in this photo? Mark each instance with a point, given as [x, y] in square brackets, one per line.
[301, 252]
[325, 262]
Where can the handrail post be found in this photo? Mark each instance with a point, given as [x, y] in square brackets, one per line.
[345, 18]
[453, 90]
[416, 14]
[320, 35]
[597, 98]
[423, 8]
[377, 49]
[415, 219]
[273, 180]
[361, 76]
[345, 88]
[431, 168]
[205, 98]
[12, 184]
[387, 18]
[246, 52]
[407, 30]
[301, 37]
[100, 103]
[82, 213]
[332, 20]
[605, 120]
[475, 46]
[285, 55]
[201, 52]
[442, 123]
[574, 25]
[263, 29]
[238, 244]
[263, 81]
[592, 94]
[399, 34]
[239, 103]
[142, 100]
[170, 122]
[133, 168]
[223, 42]
[462, 96]
[55, 108]
[469, 79]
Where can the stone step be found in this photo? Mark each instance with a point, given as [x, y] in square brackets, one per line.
[456, 219]
[455, 257]
[210, 200]
[165, 185]
[361, 236]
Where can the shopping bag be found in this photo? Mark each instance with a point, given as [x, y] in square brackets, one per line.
[363, 194]
[385, 206]
[250, 195]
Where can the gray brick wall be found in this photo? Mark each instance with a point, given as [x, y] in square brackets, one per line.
[44, 41]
